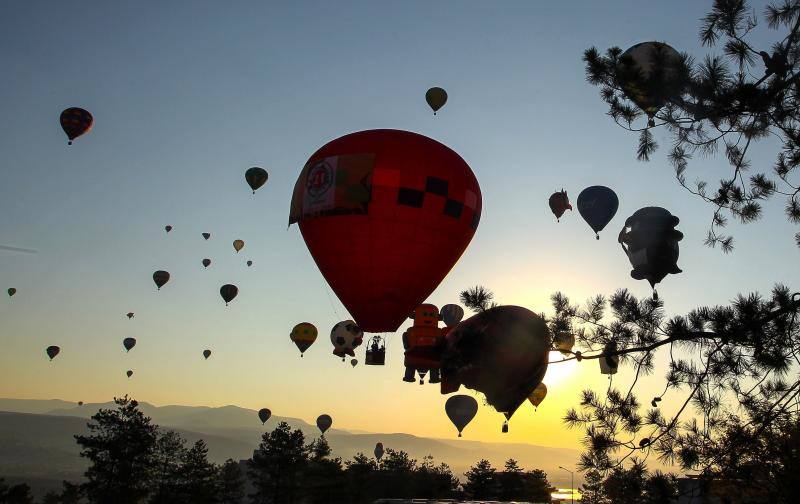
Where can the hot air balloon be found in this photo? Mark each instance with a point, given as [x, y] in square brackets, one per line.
[129, 373]
[303, 335]
[451, 314]
[228, 292]
[206, 353]
[76, 122]
[256, 177]
[264, 414]
[238, 245]
[650, 241]
[129, 343]
[538, 395]
[160, 278]
[206, 262]
[609, 363]
[206, 235]
[597, 205]
[559, 203]
[436, 98]
[563, 341]
[461, 409]
[129, 315]
[324, 423]
[385, 214]
[249, 263]
[80, 403]
[353, 362]
[346, 336]
[168, 228]
[501, 352]
[378, 450]
[423, 342]
[52, 351]
[11, 291]
[651, 74]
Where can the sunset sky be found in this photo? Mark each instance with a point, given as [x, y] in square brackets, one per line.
[187, 95]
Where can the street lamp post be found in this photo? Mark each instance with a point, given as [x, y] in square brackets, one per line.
[571, 484]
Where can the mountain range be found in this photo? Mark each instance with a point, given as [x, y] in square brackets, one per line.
[37, 439]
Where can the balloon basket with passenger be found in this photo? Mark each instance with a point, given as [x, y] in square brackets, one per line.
[376, 353]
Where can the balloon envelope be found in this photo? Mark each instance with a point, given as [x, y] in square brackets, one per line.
[206, 235]
[451, 314]
[461, 409]
[238, 245]
[256, 177]
[168, 228]
[129, 343]
[206, 263]
[650, 74]
[160, 278]
[501, 352]
[324, 422]
[378, 450]
[597, 205]
[228, 292]
[303, 335]
[538, 394]
[346, 336]
[353, 362]
[385, 214]
[436, 98]
[249, 263]
[559, 203]
[129, 373]
[264, 414]
[52, 351]
[11, 291]
[206, 353]
[75, 122]
[129, 315]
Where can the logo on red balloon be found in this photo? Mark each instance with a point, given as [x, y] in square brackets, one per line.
[320, 179]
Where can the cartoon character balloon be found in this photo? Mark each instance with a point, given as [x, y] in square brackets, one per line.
[346, 336]
[385, 214]
[501, 352]
[559, 203]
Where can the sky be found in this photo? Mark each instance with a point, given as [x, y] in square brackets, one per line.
[187, 95]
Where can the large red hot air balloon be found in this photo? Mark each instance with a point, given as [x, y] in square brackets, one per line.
[385, 214]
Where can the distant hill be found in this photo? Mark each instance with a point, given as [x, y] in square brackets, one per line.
[42, 445]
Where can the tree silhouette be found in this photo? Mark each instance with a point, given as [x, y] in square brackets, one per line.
[231, 483]
[277, 465]
[166, 475]
[592, 489]
[481, 481]
[120, 447]
[729, 101]
[477, 298]
[324, 480]
[16, 494]
[200, 476]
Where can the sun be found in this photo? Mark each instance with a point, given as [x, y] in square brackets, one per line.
[558, 371]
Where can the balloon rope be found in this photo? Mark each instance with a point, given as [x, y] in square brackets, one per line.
[330, 300]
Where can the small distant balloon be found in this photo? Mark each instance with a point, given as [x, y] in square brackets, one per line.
[559, 203]
[129, 343]
[129, 315]
[436, 98]
[80, 403]
[206, 235]
[238, 245]
[52, 351]
[206, 263]
[451, 314]
[597, 205]
[160, 277]
[228, 292]
[256, 177]
[461, 409]
[168, 228]
[11, 291]
[264, 414]
[249, 263]
[75, 122]
[353, 362]
[538, 395]
[206, 353]
[378, 450]
[129, 373]
[324, 422]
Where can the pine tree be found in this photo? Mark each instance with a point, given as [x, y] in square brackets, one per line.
[277, 465]
[199, 475]
[324, 479]
[167, 477]
[120, 447]
[511, 482]
[231, 483]
[592, 489]
[481, 481]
